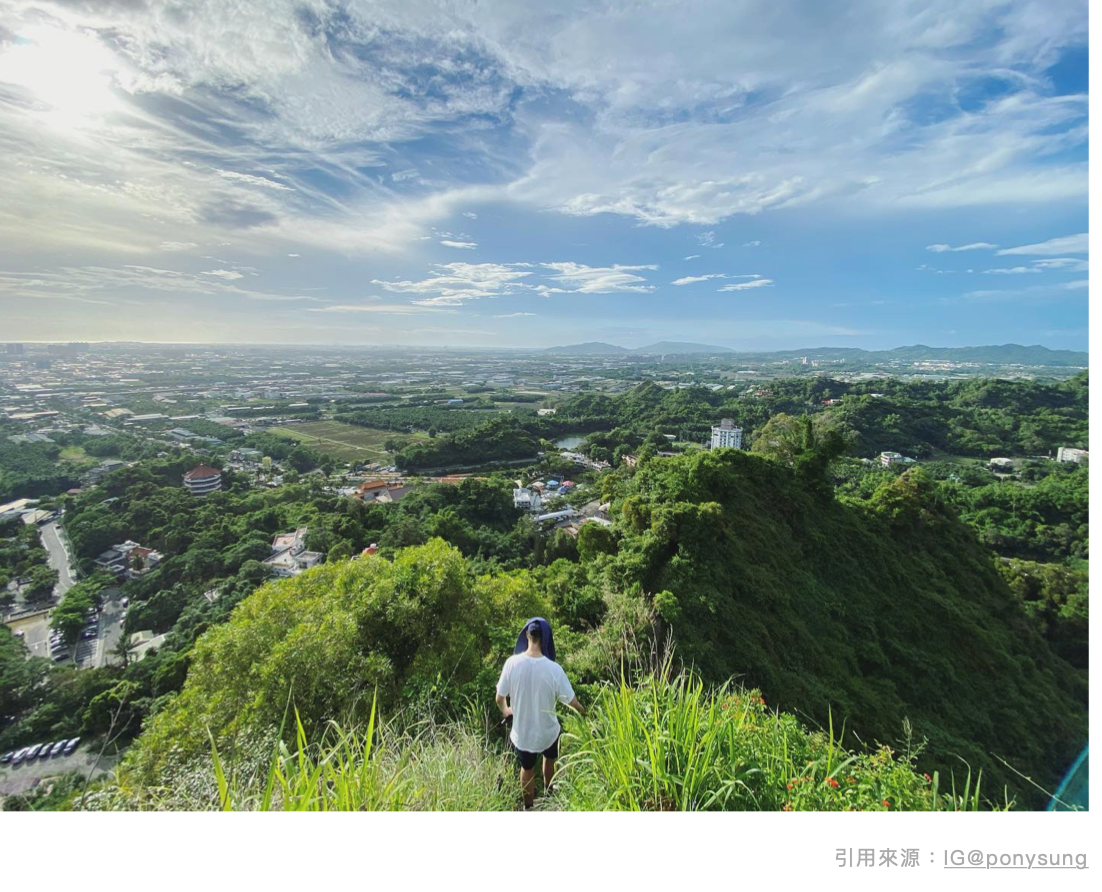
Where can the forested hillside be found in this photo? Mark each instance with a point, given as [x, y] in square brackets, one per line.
[880, 615]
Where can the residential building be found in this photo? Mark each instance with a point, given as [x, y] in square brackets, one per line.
[382, 490]
[890, 458]
[289, 556]
[143, 642]
[1071, 453]
[128, 560]
[527, 499]
[203, 480]
[727, 435]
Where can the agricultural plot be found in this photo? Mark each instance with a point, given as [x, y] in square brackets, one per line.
[346, 442]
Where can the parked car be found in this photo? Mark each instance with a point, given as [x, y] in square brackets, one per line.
[33, 752]
[125, 602]
[20, 756]
[7, 757]
[72, 745]
[61, 656]
[56, 749]
[20, 634]
[89, 633]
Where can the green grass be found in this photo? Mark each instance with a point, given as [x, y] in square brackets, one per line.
[665, 743]
[346, 442]
[669, 743]
[76, 455]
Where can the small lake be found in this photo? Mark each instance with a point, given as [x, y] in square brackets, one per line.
[569, 441]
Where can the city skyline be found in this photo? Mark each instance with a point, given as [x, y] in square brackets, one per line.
[755, 177]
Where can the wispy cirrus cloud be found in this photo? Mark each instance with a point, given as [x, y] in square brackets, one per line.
[746, 286]
[1068, 244]
[691, 280]
[455, 283]
[601, 279]
[974, 246]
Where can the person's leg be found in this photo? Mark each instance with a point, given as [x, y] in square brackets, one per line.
[548, 773]
[528, 785]
[549, 756]
[527, 776]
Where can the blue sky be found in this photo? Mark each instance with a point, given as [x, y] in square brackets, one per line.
[757, 175]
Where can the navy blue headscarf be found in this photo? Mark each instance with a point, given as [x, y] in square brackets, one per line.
[547, 642]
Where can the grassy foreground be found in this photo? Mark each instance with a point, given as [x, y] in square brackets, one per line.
[667, 743]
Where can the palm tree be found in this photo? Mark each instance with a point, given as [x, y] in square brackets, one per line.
[124, 649]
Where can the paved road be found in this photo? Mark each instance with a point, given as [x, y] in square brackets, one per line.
[110, 627]
[58, 558]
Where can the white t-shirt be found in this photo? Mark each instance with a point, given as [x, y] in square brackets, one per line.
[532, 684]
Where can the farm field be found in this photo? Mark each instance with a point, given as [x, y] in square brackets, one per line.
[347, 442]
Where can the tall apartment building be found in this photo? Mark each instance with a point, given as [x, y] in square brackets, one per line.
[727, 435]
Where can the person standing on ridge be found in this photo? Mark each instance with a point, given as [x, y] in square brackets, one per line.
[530, 684]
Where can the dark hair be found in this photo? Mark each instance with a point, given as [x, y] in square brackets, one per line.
[535, 632]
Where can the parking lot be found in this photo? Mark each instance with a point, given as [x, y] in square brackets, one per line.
[20, 778]
[91, 652]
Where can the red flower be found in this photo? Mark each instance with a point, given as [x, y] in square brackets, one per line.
[761, 700]
[790, 785]
[928, 778]
[833, 782]
[887, 804]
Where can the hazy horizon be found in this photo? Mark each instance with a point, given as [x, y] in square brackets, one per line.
[459, 175]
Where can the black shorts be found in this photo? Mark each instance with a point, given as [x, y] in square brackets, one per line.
[528, 760]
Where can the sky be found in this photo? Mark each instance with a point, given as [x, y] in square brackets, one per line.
[757, 175]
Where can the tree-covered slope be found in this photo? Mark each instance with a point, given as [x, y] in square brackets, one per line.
[878, 612]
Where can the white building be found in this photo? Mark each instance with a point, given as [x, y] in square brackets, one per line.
[726, 435]
[527, 499]
[890, 458]
[1070, 453]
[202, 480]
[289, 556]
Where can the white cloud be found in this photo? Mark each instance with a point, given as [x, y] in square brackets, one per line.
[1014, 270]
[974, 246]
[692, 256]
[227, 274]
[389, 309]
[1068, 244]
[756, 243]
[689, 280]
[356, 127]
[600, 279]
[294, 255]
[471, 214]
[253, 180]
[454, 244]
[511, 315]
[743, 286]
[177, 246]
[455, 283]
[1065, 264]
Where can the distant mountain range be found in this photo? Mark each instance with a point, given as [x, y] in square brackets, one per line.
[1005, 354]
